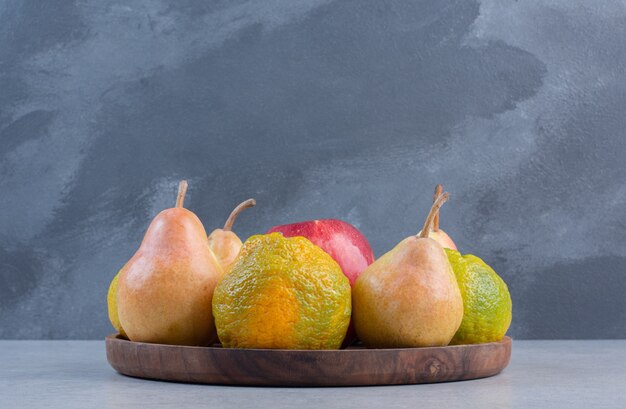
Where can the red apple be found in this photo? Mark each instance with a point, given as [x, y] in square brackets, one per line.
[342, 241]
[345, 244]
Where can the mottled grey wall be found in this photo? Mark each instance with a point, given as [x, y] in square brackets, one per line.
[321, 108]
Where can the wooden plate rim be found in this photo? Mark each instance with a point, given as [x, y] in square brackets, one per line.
[233, 366]
[117, 338]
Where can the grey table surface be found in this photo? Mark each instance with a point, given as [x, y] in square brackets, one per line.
[542, 374]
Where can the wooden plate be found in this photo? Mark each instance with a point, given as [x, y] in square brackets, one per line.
[279, 367]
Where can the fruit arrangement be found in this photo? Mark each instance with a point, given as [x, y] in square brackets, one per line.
[308, 285]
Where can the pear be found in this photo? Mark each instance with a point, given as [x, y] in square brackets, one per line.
[223, 242]
[436, 233]
[112, 306]
[409, 297]
[165, 291]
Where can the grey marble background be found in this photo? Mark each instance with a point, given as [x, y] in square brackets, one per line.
[320, 108]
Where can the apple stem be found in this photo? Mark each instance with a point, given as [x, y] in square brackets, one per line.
[438, 191]
[182, 190]
[441, 199]
[228, 226]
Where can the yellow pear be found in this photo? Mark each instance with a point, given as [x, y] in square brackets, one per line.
[165, 291]
[112, 306]
[409, 297]
[223, 242]
[436, 233]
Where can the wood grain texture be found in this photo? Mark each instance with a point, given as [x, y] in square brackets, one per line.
[272, 367]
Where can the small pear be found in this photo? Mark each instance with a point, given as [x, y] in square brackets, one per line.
[409, 297]
[165, 291]
[436, 233]
[223, 242]
[112, 306]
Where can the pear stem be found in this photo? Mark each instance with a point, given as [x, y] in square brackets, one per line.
[182, 190]
[441, 199]
[438, 191]
[228, 226]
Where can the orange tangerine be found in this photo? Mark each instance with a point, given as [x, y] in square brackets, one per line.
[283, 293]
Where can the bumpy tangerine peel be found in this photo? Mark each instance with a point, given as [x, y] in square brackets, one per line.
[282, 293]
[486, 300]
